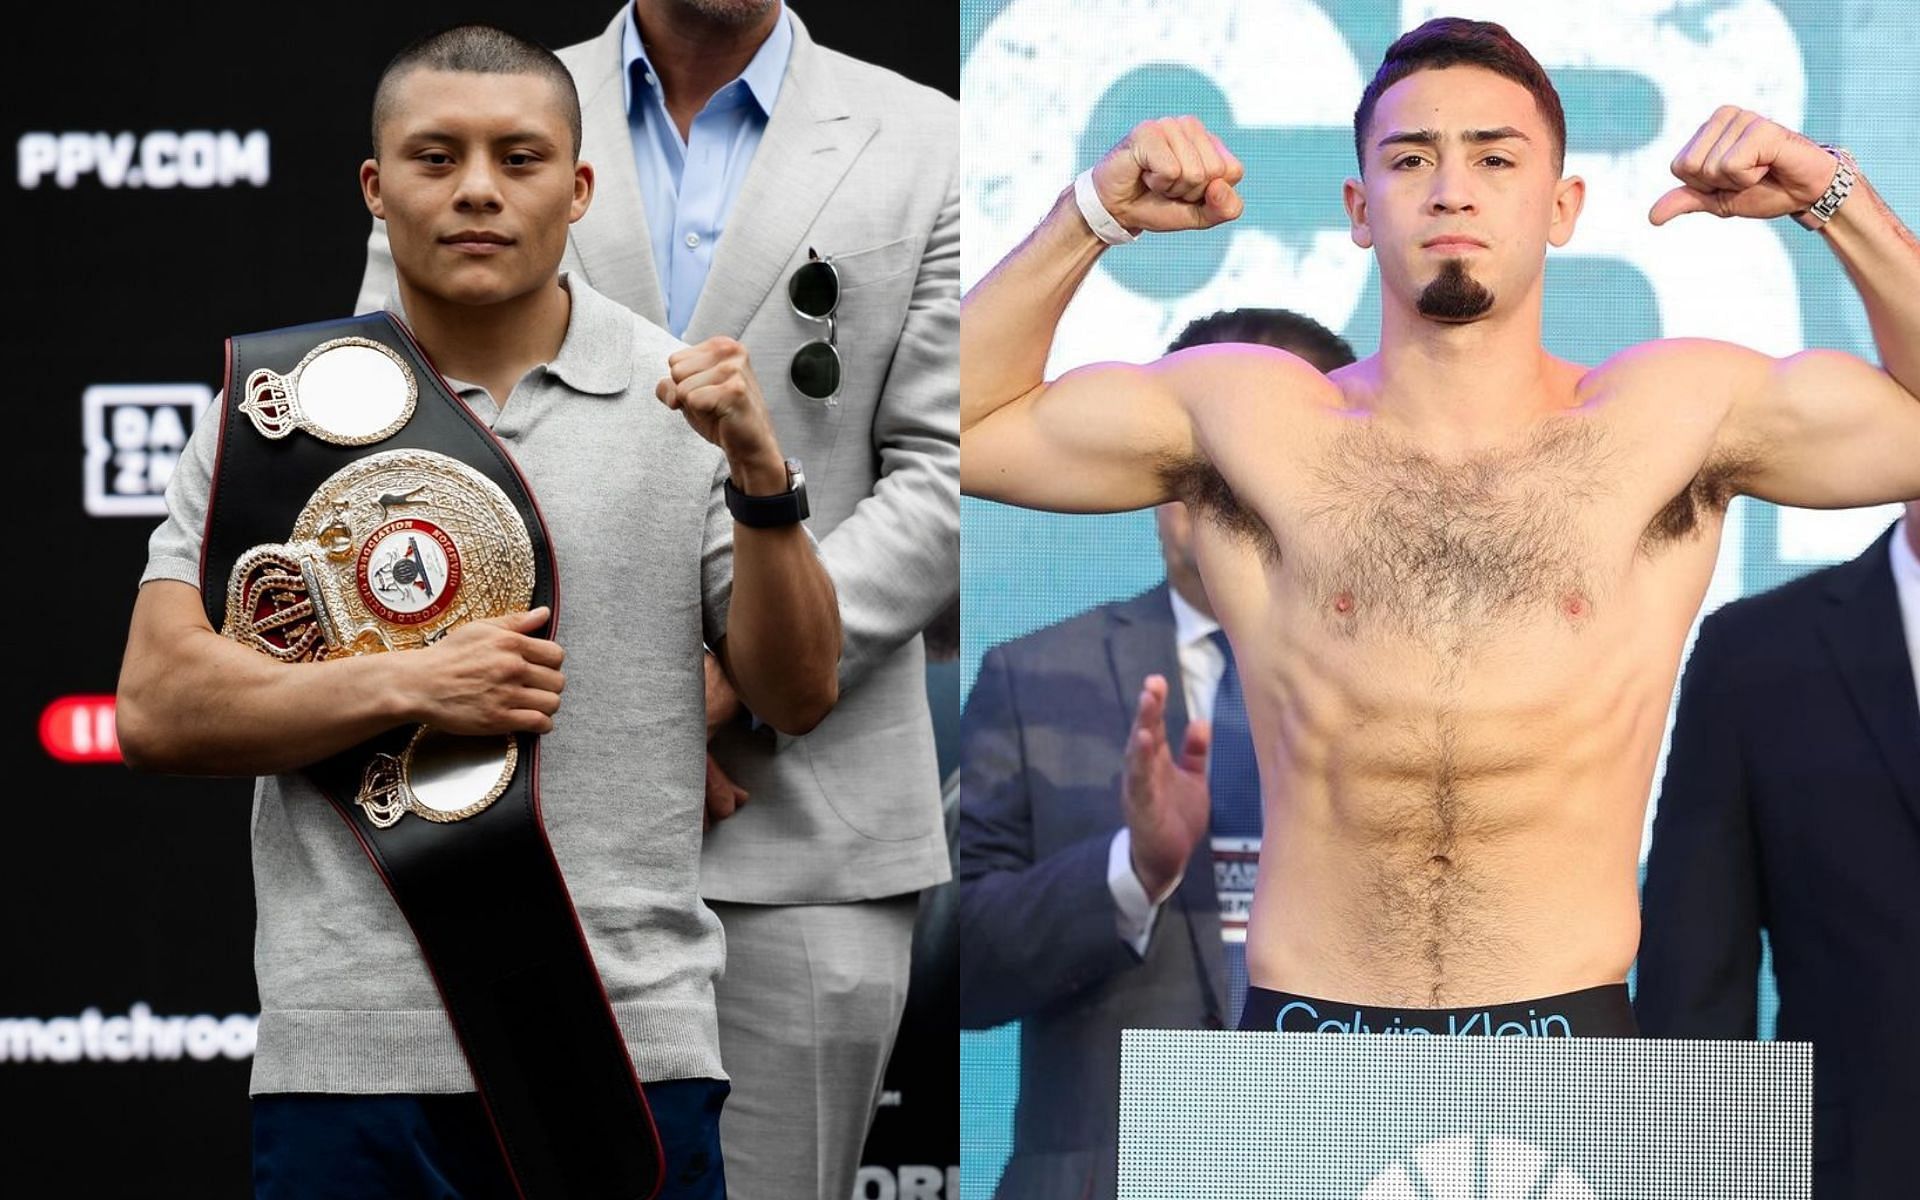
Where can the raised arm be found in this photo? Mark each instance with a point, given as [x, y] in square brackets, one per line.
[782, 642]
[1094, 439]
[1820, 429]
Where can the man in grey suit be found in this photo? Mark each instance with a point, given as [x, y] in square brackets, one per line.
[1065, 923]
[732, 152]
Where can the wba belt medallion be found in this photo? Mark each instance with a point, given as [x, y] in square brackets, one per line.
[392, 553]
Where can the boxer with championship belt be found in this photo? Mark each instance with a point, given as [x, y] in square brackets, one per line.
[362, 529]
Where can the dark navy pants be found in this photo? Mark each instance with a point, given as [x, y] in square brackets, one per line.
[334, 1147]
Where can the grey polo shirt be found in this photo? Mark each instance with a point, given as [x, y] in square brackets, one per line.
[632, 498]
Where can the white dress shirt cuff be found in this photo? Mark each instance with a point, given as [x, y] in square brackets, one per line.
[1135, 911]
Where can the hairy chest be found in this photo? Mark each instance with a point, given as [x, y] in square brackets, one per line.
[1383, 532]
[1376, 530]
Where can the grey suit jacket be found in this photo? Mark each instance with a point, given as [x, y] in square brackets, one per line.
[863, 165]
[1043, 738]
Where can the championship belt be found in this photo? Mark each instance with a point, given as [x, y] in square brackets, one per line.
[358, 507]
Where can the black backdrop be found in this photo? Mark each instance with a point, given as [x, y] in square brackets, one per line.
[183, 172]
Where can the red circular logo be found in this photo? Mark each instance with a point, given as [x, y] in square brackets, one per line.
[409, 571]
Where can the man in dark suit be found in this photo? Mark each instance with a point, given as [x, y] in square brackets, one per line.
[1792, 805]
[1086, 908]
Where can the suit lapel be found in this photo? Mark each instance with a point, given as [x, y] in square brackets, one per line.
[1862, 628]
[1141, 642]
[810, 142]
[613, 236]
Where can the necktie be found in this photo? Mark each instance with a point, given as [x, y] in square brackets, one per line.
[1233, 782]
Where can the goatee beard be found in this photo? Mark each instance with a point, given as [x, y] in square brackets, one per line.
[1454, 295]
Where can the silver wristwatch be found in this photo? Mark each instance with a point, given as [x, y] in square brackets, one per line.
[1845, 172]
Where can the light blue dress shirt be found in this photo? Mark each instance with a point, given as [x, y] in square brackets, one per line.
[689, 186]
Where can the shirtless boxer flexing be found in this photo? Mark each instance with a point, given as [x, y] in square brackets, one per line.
[1457, 575]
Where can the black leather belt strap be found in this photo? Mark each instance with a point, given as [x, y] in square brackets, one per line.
[484, 895]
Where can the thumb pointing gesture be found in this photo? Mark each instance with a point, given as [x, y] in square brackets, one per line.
[1680, 201]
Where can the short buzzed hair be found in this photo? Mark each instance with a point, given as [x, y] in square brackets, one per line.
[482, 50]
[1456, 42]
[1280, 328]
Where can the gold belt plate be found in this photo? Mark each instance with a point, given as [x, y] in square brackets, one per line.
[392, 553]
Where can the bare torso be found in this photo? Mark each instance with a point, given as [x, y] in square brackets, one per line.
[1457, 663]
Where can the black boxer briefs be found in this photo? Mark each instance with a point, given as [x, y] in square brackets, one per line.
[1590, 1012]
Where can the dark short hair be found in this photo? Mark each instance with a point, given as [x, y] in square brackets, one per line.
[1276, 327]
[1458, 42]
[482, 50]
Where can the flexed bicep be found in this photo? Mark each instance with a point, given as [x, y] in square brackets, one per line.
[1095, 440]
[1112, 437]
[1098, 438]
[1824, 429]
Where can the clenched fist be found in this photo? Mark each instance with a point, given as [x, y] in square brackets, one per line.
[1167, 174]
[1742, 165]
[712, 385]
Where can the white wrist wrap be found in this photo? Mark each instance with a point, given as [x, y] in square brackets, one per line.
[1098, 218]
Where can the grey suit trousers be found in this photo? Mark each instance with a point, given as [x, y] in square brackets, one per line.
[807, 1061]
